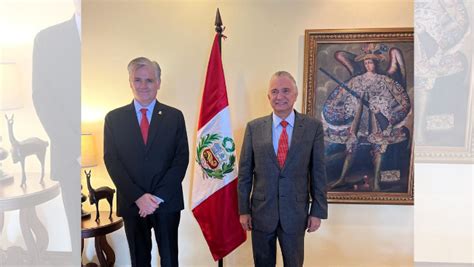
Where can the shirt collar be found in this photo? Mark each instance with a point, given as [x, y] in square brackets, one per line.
[290, 119]
[138, 106]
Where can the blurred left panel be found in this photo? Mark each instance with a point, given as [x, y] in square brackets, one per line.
[40, 52]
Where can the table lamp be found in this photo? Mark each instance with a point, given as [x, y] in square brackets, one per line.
[10, 99]
[88, 160]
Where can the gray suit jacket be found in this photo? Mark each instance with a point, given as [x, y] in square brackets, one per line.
[283, 194]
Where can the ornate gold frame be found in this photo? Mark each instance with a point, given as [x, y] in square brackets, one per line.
[313, 38]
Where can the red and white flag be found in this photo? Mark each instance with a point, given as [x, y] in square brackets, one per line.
[214, 197]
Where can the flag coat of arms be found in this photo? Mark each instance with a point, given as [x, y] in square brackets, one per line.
[214, 194]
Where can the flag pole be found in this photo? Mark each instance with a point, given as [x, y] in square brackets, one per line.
[219, 29]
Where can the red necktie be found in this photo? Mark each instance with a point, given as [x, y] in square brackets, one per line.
[282, 145]
[144, 125]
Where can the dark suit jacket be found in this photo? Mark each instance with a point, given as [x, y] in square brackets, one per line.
[157, 168]
[57, 96]
[282, 195]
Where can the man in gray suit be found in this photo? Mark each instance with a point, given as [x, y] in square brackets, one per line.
[282, 164]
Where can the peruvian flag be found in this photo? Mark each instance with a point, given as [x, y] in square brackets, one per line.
[214, 197]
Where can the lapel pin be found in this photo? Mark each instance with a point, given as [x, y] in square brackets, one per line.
[159, 112]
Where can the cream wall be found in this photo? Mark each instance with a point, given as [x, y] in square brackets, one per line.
[444, 226]
[263, 37]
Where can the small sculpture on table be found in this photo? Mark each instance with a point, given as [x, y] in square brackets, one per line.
[95, 195]
[22, 149]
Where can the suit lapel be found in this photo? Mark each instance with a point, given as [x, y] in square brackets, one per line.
[156, 128]
[298, 130]
[267, 131]
[132, 120]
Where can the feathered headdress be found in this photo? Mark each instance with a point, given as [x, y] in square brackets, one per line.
[372, 51]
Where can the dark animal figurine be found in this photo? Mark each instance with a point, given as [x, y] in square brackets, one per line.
[22, 149]
[95, 195]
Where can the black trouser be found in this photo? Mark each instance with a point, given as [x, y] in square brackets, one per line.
[138, 231]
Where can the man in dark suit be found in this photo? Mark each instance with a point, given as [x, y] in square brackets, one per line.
[56, 86]
[146, 155]
[282, 164]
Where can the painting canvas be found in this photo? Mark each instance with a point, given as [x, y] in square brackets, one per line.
[444, 79]
[359, 83]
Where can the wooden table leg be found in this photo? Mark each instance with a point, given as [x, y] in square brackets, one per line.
[105, 253]
[90, 264]
[30, 224]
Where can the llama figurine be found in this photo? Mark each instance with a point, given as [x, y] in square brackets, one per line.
[22, 149]
[95, 195]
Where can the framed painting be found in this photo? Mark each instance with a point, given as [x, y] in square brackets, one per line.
[444, 82]
[359, 83]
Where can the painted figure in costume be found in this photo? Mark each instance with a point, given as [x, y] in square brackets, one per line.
[443, 44]
[371, 111]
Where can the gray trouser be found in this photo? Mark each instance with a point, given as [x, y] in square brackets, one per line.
[264, 248]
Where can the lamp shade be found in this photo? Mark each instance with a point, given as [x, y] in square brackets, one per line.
[10, 87]
[88, 151]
